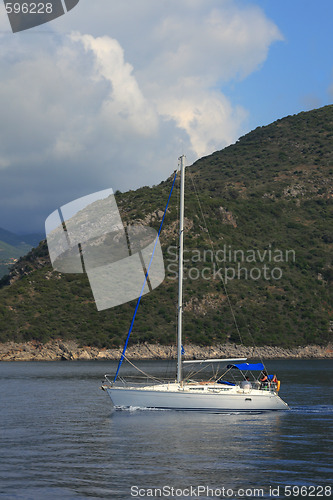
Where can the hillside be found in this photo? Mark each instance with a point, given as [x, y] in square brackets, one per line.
[12, 247]
[267, 206]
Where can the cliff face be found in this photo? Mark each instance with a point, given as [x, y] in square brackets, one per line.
[267, 231]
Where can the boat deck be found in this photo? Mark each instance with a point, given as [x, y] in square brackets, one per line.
[192, 387]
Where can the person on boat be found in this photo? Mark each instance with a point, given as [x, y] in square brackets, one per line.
[264, 380]
[246, 384]
[274, 381]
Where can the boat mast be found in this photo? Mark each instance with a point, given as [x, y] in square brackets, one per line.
[180, 269]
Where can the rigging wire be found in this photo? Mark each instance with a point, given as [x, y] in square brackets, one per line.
[193, 373]
[141, 371]
[212, 246]
[177, 229]
[145, 281]
[223, 282]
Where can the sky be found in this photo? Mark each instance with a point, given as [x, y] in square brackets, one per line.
[112, 93]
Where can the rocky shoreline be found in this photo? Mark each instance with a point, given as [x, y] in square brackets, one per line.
[69, 350]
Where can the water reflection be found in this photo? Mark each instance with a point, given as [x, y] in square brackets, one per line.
[194, 448]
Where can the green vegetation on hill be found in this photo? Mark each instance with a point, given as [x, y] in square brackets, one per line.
[9, 254]
[13, 246]
[267, 202]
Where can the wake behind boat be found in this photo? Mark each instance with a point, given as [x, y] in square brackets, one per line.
[236, 388]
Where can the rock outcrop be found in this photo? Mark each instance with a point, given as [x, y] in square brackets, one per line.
[70, 351]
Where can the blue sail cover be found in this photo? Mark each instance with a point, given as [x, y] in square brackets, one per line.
[248, 366]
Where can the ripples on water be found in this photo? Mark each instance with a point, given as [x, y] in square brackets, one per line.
[60, 437]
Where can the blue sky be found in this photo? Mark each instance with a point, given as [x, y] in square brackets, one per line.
[298, 73]
[110, 94]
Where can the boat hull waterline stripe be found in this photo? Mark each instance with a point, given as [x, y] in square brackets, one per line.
[206, 410]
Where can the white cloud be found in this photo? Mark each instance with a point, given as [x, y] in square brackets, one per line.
[125, 103]
[195, 58]
[109, 104]
[222, 44]
[209, 119]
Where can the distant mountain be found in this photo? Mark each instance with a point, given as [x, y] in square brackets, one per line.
[17, 240]
[267, 203]
[13, 246]
[11, 238]
[33, 239]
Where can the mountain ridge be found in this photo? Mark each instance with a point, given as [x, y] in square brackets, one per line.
[271, 191]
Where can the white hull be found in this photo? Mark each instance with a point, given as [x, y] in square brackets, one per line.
[196, 397]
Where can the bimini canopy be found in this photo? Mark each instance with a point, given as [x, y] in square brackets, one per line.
[248, 366]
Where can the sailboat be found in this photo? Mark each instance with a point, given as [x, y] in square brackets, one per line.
[234, 390]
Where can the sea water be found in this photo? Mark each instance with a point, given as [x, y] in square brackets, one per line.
[61, 439]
